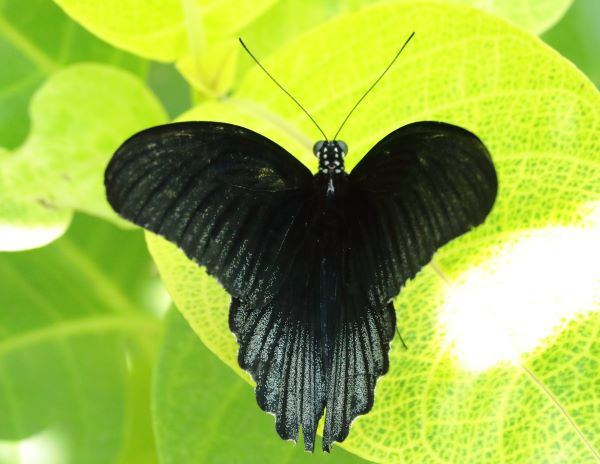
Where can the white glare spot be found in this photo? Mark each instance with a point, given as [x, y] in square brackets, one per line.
[155, 296]
[15, 238]
[46, 447]
[532, 286]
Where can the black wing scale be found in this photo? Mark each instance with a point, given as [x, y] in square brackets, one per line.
[311, 274]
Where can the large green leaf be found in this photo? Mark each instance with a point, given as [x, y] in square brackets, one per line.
[79, 117]
[515, 400]
[36, 41]
[163, 30]
[76, 349]
[203, 413]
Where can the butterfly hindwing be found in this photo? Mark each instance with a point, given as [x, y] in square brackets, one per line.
[281, 341]
[224, 194]
[360, 357]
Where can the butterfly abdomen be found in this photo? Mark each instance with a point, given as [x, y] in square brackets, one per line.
[332, 236]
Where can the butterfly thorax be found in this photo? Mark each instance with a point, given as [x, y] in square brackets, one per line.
[331, 156]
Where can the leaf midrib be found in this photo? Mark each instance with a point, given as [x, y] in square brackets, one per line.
[29, 49]
[79, 327]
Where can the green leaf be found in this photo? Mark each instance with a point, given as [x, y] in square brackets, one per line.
[76, 349]
[576, 37]
[170, 87]
[35, 42]
[79, 118]
[533, 15]
[290, 18]
[163, 30]
[205, 413]
[520, 390]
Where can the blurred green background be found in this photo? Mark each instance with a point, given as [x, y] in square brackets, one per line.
[94, 367]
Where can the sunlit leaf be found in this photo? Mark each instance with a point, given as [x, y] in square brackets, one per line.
[34, 42]
[205, 413]
[79, 117]
[76, 349]
[163, 29]
[533, 15]
[289, 18]
[540, 118]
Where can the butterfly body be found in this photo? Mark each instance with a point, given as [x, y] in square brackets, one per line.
[311, 261]
[333, 249]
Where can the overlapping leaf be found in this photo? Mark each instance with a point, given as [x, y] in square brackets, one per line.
[164, 30]
[79, 117]
[35, 41]
[76, 349]
[540, 118]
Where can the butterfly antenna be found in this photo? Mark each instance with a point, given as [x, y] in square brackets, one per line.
[281, 87]
[373, 85]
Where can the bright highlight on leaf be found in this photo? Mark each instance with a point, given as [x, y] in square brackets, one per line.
[536, 282]
[14, 238]
[45, 447]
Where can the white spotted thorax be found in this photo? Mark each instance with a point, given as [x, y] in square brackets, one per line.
[331, 156]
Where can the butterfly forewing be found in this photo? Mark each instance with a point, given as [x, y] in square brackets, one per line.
[418, 188]
[224, 194]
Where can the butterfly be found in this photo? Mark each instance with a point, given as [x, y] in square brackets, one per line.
[312, 261]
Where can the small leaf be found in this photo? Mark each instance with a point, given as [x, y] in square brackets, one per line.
[76, 349]
[205, 413]
[540, 117]
[79, 117]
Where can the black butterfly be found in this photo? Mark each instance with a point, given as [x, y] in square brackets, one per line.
[312, 262]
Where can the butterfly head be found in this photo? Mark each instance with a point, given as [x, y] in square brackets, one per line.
[331, 155]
